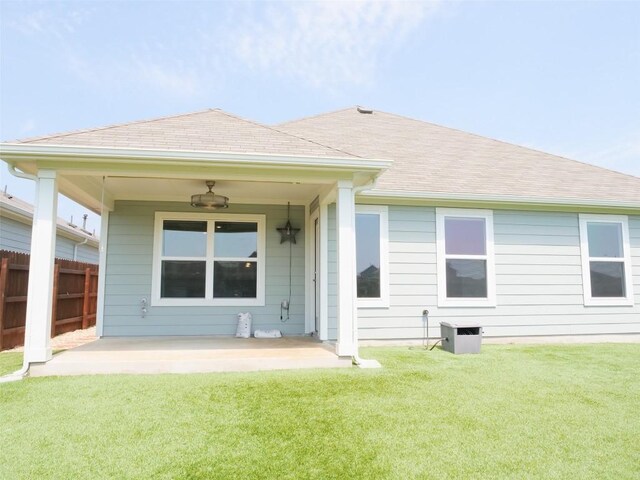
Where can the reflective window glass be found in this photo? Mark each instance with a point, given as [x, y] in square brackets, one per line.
[184, 238]
[235, 240]
[368, 255]
[464, 236]
[605, 239]
[466, 278]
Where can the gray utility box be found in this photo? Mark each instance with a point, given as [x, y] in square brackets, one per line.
[461, 337]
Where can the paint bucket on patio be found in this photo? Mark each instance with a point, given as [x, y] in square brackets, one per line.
[244, 325]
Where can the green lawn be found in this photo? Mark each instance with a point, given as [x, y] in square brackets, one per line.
[512, 412]
[10, 362]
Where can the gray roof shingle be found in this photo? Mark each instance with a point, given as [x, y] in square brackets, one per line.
[208, 131]
[435, 159]
[426, 157]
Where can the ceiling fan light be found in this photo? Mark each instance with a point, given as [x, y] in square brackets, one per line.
[209, 200]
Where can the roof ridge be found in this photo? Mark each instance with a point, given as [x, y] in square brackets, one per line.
[115, 125]
[309, 117]
[269, 127]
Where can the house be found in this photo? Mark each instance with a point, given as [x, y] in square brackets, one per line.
[16, 219]
[430, 218]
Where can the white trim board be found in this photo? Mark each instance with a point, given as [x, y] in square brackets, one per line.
[208, 300]
[589, 300]
[443, 300]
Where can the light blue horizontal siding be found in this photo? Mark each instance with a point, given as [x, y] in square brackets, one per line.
[129, 267]
[538, 279]
[16, 236]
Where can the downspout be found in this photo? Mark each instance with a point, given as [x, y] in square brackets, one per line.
[19, 374]
[19, 174]
[357, 360]
[75, 248]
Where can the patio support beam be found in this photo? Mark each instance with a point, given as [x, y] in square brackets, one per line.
[346, 252]
[37, 347]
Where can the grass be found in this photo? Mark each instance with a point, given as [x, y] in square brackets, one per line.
[10, 362]
[512, 412]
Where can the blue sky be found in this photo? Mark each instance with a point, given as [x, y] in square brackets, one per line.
[561, 77]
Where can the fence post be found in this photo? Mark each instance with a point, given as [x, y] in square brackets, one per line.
[4, 272]
[54, 309]
[87, 298]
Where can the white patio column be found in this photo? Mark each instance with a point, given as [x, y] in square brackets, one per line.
[346, 237]
[37, 347]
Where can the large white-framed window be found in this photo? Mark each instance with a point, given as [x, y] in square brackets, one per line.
[204, 259]
[372, 255]
[606, 260]
[465, 258]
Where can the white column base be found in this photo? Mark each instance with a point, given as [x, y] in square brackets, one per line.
[345, 349]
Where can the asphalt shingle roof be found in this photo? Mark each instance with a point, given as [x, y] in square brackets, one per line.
[431, 158]
[207, 131]
[426, 157]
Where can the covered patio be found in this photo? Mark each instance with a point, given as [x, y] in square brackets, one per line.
[173, 277]
[180, 354]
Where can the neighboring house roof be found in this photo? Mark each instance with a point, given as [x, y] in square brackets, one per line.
[434, 159]
[17, 209]
[206, 131]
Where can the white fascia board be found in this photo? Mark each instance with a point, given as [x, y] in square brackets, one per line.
[504, 201]
[22, 152]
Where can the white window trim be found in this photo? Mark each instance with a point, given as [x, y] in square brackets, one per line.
[383, 301]
[586, 259]
[443, 300]
[210, 218]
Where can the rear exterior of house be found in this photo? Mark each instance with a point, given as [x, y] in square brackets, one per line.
[395, 217]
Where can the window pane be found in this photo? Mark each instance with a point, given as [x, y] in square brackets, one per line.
[605, 239]
[235, 279]
[607, 279]
[368, 255]
[464, 236]
[184, 239]
[236, 239]
[182, 279]
[466, 278]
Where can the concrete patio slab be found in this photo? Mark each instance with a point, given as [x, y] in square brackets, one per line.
[153, 355]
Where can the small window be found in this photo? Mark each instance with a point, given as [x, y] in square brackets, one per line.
[465, 257]
[371, 256]
[208, 259]
[606, 260]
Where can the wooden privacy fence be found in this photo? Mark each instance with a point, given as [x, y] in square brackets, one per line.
[75, 287]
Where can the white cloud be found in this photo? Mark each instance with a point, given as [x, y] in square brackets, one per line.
[327, 44]
[50, 22]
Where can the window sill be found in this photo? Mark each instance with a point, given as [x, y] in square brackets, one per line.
[372, 303]
[207, 302]
[609, 302]
[466, 304]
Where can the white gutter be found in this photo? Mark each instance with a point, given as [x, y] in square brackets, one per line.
[502, 199]
[23, 151]
[361, 362]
